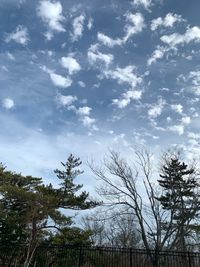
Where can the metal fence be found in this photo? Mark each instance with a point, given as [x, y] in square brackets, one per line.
[61, 256]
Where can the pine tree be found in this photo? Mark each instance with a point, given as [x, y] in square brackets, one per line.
[30, 211]
[68, 191]
[179, 197]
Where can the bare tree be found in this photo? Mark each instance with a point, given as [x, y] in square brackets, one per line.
[112, 228]
[132, 187]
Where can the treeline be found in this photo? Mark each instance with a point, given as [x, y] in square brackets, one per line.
[138, 206]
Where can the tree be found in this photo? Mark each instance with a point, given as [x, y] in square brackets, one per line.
[180, 198]
[30, 210]
[132, 188]
[67, 193]
[73, 236]
[112, 228]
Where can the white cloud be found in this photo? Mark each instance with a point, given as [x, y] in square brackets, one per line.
[65, 100]
[84, 117]
[82, 84]
[8, 103]
[193, 135]
[90, 24]
[120, 138]
[94, 56]
[156, 109]
[179, 129]
[127, 97]
[195, 76]
[83, 111]
[175, 39]
[194, 81]
[193, 142]
[20, 35]
[186, 120]
[108, 41]
[155, 23]
[127, 76]
[51, 13]
[10, 56]
[60, 81]
[78, 27]
[124, 75]
[4, 68]
[71, 64]
[168, 21]
[87, 121]
[135, 25]
[157, 54]
[48, 35]
[169, 119]
[177, 108]
[145, 3]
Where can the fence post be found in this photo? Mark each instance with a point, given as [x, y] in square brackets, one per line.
[156, 257]
[80, 257]
[131, 258]
[189, 259]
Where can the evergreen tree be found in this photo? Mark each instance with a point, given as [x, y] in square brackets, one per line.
[68, 190]
[30, 210]
[179, 197]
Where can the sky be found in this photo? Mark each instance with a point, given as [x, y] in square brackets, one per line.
[84, 76]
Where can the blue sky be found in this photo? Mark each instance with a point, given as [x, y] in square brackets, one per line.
[81, 76]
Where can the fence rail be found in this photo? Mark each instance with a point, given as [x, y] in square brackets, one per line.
[71, 256]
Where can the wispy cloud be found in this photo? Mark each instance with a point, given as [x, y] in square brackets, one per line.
[135, 24]
[156, 109]
[85, 111]
[90, 23]
[158, 53]
[88, 122]
[86, 119]
[168, 21]
[175, 39]
[191, 81]
[94, 56]
[20, 35]
[178, 129]
[127, 97]
[10, 56]
[78, 27]
[65, 100]
[57, 79]
[126, 75]
[108, 41]
[145, 3]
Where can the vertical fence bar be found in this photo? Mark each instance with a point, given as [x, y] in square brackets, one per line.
[189, 259]
[80, 257]
[131, 257]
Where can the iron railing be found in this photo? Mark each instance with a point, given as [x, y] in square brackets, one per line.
[71, 256]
